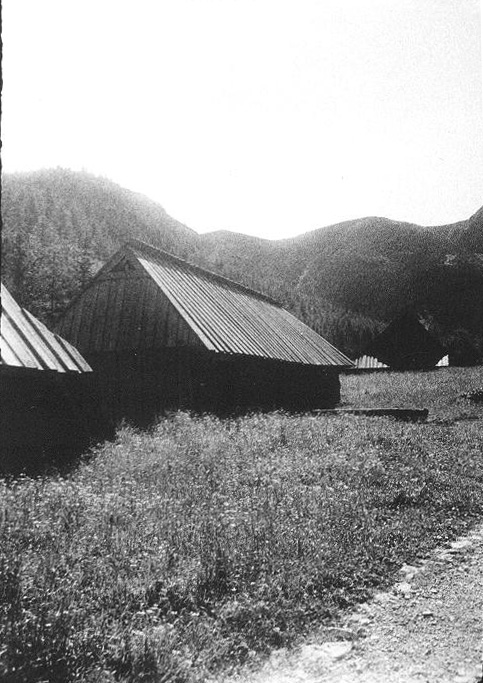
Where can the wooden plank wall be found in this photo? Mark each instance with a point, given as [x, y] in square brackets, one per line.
[140, 386]
[47, 418]
[268, 384]
[123, 312]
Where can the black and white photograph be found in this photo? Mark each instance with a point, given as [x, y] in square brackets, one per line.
[241, 341]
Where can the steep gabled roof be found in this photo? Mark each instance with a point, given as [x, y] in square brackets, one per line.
[224, 315]
[25, 342]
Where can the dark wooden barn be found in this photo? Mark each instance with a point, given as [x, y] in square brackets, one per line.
[47, 393]
[406, 344]
[163, 334]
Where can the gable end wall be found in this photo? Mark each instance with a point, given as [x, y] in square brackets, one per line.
[125, 313]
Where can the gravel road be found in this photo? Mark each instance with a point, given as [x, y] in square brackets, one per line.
[428, 628]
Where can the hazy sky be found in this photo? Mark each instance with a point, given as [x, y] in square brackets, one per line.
[269, 117]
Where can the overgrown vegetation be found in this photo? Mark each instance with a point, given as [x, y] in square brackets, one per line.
[443, 391]
[168, 555]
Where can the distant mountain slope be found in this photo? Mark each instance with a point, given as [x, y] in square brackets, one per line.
[88, 206]
[370, 269]
[344, 280]
[59, 226]
[371, 265]
[345, 263]
[464, 236]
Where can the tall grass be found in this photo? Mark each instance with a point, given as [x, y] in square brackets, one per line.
[205, 542]
[441, 390]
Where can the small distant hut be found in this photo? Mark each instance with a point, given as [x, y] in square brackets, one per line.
[163, 334]
[406, 344]
[47, 405]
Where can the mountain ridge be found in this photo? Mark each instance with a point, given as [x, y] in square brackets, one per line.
[346, 279]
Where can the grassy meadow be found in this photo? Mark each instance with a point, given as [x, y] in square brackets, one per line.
[172, 555]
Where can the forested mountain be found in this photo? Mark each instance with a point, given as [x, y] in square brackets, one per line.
[345, 280]
[466, 236]
[60, 226]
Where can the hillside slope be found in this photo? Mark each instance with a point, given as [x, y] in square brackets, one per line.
[60, 226]
[371, 265]
[372, 269]
[465, 236]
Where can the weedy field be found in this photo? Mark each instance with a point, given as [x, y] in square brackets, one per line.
[168, 556]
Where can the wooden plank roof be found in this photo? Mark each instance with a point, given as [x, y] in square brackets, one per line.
[230, 318]
[25, 342]
[224, 316]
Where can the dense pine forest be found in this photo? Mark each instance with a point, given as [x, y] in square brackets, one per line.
[346, 280]
[59, 227]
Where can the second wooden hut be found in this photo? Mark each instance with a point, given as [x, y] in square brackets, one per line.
[406, 344]
[48, 401]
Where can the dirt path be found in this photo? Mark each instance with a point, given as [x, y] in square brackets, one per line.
[427, 629]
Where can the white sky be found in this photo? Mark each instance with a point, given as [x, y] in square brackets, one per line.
[268, 117]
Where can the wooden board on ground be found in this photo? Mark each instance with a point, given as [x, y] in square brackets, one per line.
[410, 414]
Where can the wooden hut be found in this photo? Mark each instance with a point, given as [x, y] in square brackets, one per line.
[47, 408]
[163, 334]
[406, 344]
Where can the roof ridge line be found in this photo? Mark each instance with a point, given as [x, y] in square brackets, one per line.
[136, 243]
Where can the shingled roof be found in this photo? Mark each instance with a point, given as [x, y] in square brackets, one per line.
[25, 342]
[224, 316]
